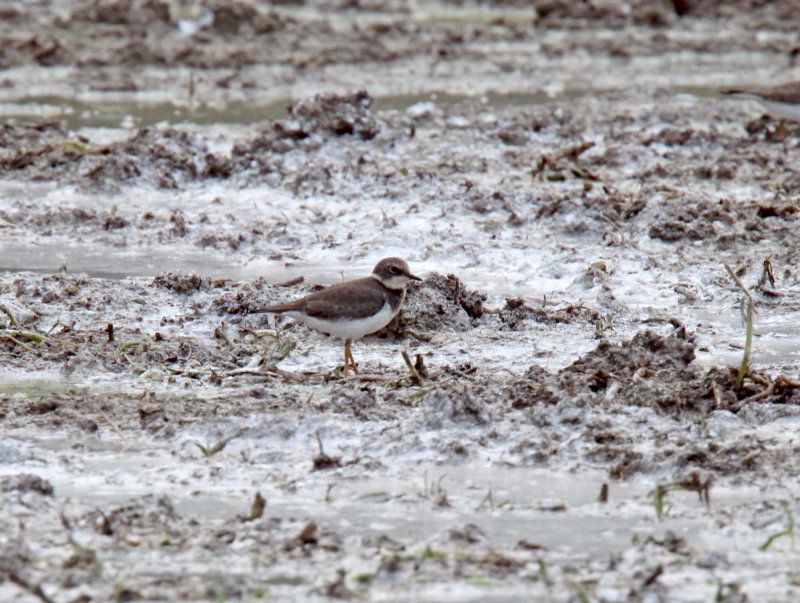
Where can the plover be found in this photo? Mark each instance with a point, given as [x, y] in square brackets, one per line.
[781, 101]
[353, 309]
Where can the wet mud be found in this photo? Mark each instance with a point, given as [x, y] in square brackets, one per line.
[558, 413]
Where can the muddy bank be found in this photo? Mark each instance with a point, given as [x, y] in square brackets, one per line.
[235, 34]
[279, 472]
[529, 177]
[572, 405]
[203, 337]
[110, 61]
[570, 424]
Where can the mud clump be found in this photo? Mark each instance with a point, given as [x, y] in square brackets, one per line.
[672, 137]
[724, 221]
[181, 283]
[360, 404]
[648, 370]
[646, 350]
[453, 293]
[25, 482]
[766, 129]
[123, 12]
[516, 312]
[743, 455]
[532, 389]
[310, 121]
[439, 303]
[166, 158]
[674, 230]
[145, 516]
[443, 407]
[563, 13]
[41, 407]
[337, 114]
[25, 147]
[553, 12]
[242, 298]
[694, 222]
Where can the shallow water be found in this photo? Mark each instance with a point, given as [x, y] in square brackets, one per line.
[132, 114]
[507, 504]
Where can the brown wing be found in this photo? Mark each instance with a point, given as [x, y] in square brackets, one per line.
[356, 299]
[784, 93]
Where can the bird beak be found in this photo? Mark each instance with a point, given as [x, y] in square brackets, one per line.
[412, 277]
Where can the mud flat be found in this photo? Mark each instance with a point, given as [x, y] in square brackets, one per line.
[574, 427]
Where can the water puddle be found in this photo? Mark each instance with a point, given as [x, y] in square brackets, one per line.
[132, 114]
[557, 510]
[94, 262]
[34, 382]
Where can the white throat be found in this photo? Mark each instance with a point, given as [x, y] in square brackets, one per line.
[395, 283]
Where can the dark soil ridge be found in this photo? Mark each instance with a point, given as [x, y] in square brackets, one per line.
[588, 397]
[593, 395]
[233, 34]
[366, 164]
[648, 370]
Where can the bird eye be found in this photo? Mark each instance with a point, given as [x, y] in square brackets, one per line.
[394, 270]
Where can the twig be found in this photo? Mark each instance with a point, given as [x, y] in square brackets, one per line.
[16, 341]
[766, 393]
[29, 335]
[374, 378]
[781, 382]
[419, 365]
[8, 313]
[291, 282]
[411, 369]
[209, 451]
[125, 345]
[744, 367]
[758, 379]
[38, 337]
[417, 336]
[113, 425]
[767, 274]
[266, 371]
[575, 150]
[64, 327]
[717, 397]
[34, 589]
[785, 382]
[787, 531]
[695, 482]
[323, 460]
[64, 342]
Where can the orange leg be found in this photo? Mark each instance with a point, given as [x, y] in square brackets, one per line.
[349, 361]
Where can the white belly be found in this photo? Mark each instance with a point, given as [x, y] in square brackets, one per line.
[784, 110]
[352, 329]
